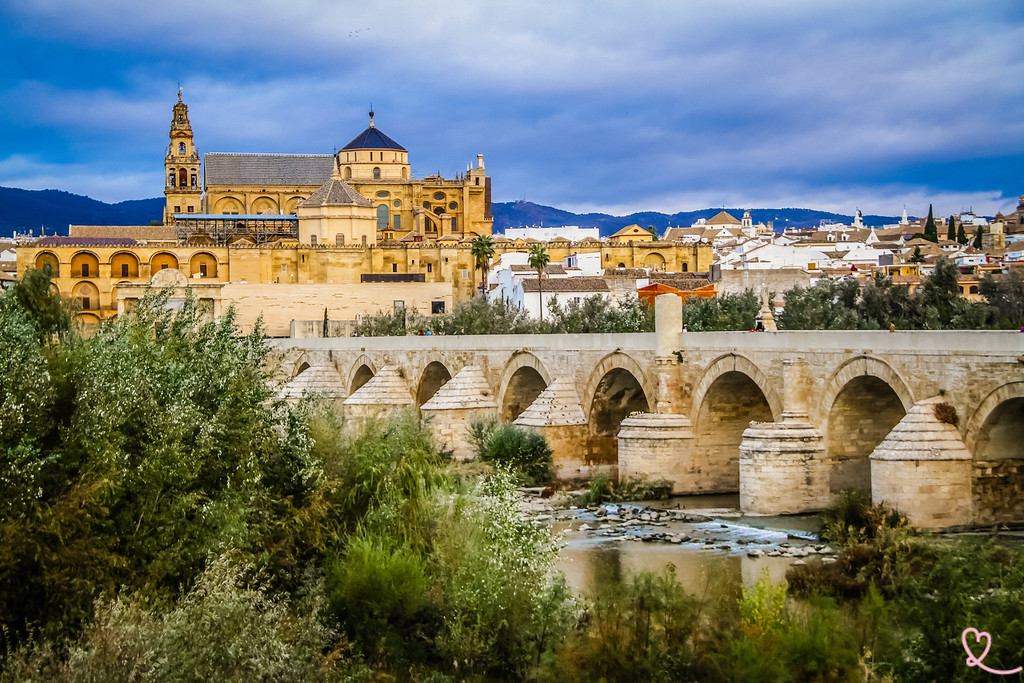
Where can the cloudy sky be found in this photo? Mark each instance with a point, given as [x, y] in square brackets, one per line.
[584, 105]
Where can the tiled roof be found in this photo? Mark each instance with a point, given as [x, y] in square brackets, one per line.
[267, 169]
[60, 241]
[336, 192]
[371, 138]
[723, 218]
[569, 284]
[550, 269]
[149, 233]
[625, 272]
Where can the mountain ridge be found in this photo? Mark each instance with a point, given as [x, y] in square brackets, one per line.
[53, 210]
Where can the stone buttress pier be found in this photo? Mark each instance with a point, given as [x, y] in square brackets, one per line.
[455, 406]
[557, 415]
[384, 395]
[783, 469]
[923, 469]
[659, 445]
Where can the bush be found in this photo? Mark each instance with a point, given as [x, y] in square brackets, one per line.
[228, 628]
[851, 518]
[525, 453]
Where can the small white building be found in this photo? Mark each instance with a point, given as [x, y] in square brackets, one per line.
[533, 295]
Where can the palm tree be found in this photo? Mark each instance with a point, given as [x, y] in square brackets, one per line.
[483, 249]
[539, 260]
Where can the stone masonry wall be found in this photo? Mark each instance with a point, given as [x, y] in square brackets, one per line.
[998, 490]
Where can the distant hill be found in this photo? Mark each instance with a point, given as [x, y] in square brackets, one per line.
[54, 210]
[519, 214]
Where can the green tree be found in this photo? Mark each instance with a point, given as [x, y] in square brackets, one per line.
[938, 298]
[951, 230]
[482, 316]
[931, 231]
[917, 256]
[1005, 295]
[978, 234]
[829, 305]
[539, 260]
[482, 249]
[49, 312]
[722, 312]
[597, 314]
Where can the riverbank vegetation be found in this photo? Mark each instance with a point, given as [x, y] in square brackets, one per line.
[164, 517]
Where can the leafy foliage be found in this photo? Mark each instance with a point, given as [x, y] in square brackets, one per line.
[724, 312]
[523, 452]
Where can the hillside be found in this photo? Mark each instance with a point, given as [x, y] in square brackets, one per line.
[520, 213]
[54, 210]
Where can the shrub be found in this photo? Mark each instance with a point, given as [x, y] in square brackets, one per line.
[851, 518]
[526, 453]
[944, 412]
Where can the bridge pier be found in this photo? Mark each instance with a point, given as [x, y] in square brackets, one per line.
[457, 404]
[782, 464]
[659, 445]
[923, 469]
[384, 395]
[558, 416]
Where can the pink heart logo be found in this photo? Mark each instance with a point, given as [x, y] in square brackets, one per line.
[980, 636]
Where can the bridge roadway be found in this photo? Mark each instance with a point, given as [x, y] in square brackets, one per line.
[687, 407]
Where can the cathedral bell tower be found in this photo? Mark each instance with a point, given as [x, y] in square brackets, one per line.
[182, 181]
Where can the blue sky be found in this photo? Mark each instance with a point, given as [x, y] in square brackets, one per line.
[588, 105]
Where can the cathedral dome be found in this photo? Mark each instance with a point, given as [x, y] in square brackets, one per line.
[371, 138]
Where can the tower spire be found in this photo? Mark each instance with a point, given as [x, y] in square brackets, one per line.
[371, 115]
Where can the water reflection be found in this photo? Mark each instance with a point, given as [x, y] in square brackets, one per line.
[589, 557]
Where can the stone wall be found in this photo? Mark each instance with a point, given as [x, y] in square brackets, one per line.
[933, 493]
[998, 490]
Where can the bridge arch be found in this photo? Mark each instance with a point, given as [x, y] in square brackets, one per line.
[862, 401]
[618, 387]
[362, 371]
[735, 363]
[434, 376]
[995, 437]
[522, 381]
[732, 393]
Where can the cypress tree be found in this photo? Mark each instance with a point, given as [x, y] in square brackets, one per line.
[977, 237]
[931, 232]
[951, 232]
[961, 235]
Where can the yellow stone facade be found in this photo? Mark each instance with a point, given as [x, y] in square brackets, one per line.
[421, 235]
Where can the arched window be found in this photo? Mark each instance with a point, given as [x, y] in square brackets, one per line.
[312, 240]
[382, 217]
[170, 179]
[376, 173]
[686, 267]
[181, 148]
[182, 177]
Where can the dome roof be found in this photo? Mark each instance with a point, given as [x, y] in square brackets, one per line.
[371, 138]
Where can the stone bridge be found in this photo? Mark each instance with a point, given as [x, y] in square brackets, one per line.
[931, 422]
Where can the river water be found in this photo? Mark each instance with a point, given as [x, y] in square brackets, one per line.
[701, 536]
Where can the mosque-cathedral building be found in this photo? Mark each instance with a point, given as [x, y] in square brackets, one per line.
[351, 232]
